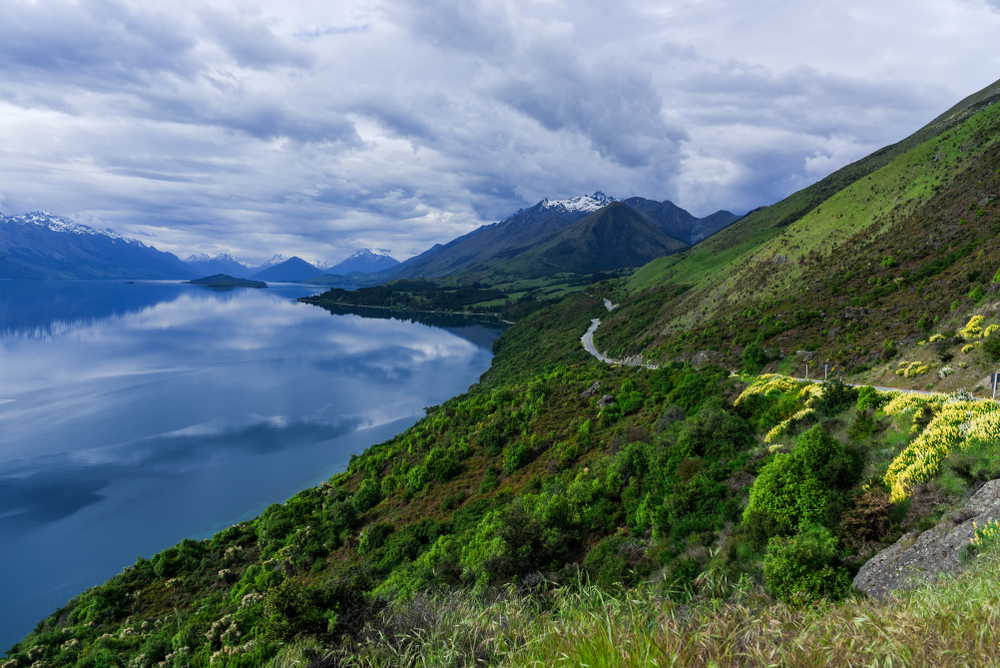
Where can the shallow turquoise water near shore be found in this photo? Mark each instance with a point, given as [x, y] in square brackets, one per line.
[132, 416]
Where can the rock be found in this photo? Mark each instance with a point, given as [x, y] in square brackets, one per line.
[591, 391]
[984, 202]
[606, 400]
[804, 355]
[920, 557]
[703, 357]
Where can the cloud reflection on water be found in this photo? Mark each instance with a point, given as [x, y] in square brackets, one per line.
[132, 418]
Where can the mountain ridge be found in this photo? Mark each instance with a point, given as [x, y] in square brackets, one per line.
[41, 245]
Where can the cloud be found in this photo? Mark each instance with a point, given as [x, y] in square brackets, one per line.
[314, 129]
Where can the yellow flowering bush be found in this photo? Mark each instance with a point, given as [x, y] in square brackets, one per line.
[936, 338]
[904, 402]
[921, 459]
[910, 369]
[973, 329]
[989, 330]
[767, 383]
[984, 535]
[984, 429]
[784, 425]
[967, 348]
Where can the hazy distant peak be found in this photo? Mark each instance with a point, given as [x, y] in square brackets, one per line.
[205, 257]
[366, 260]
[275, 260]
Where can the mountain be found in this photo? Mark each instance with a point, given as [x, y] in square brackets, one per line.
[529, 242]
[680, 224]
[513, 235]
[42, 245]
[220, 264]
[291, 270]
[612, 237]
[365, 261]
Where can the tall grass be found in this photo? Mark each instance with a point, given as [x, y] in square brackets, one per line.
[955, 622]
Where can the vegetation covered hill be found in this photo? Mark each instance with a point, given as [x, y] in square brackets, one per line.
[884, 259]
[570, 511]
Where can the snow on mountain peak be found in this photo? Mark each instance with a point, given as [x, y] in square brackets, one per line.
[588, 203]
[61, 224]
[277, 259]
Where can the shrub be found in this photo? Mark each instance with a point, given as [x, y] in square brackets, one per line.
[441, 464]
[977, 293]
[516, 456]
[801, 570]
[796, 488]
[374, 537]
[754, 358]
[836, 398]
[870, 399]
[368, 495]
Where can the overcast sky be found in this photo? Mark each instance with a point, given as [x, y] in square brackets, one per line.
[315, 128]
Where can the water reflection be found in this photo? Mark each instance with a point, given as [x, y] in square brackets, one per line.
[133, 416]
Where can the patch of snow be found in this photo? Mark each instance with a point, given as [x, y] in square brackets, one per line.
[275, 260]
[588, 203]
[61, 224]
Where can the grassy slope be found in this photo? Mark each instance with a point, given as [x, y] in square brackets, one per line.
[805, 264]
[712, 263]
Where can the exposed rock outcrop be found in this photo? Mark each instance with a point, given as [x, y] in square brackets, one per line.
[917, 557]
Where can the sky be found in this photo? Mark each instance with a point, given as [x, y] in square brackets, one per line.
[317, 128]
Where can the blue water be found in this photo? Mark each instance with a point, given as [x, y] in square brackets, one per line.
[132, 416]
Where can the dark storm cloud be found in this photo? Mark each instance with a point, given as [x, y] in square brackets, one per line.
[314, 129]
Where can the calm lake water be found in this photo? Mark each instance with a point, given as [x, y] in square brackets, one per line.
[132, 416]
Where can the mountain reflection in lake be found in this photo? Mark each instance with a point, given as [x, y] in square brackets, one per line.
[132, 416]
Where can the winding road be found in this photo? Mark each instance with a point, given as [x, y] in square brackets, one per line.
[588, 343]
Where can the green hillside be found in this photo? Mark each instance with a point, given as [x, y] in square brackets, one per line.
[566, 511]
[915, 223]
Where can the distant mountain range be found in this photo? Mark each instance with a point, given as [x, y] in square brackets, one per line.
[585, 234]
[42, 245]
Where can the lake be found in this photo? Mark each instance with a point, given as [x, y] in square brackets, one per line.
[135, 415]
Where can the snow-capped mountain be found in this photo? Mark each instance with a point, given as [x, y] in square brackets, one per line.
[224, 263]
[43, 245]
[367, 261]
[273, 262]
[59, 224]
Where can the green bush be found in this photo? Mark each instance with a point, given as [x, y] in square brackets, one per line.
[368, 495]
[870, 399]
[836, 398]
[441, 464]
[803, 569]
[516, 456]
[754, 358]
[797, 488]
